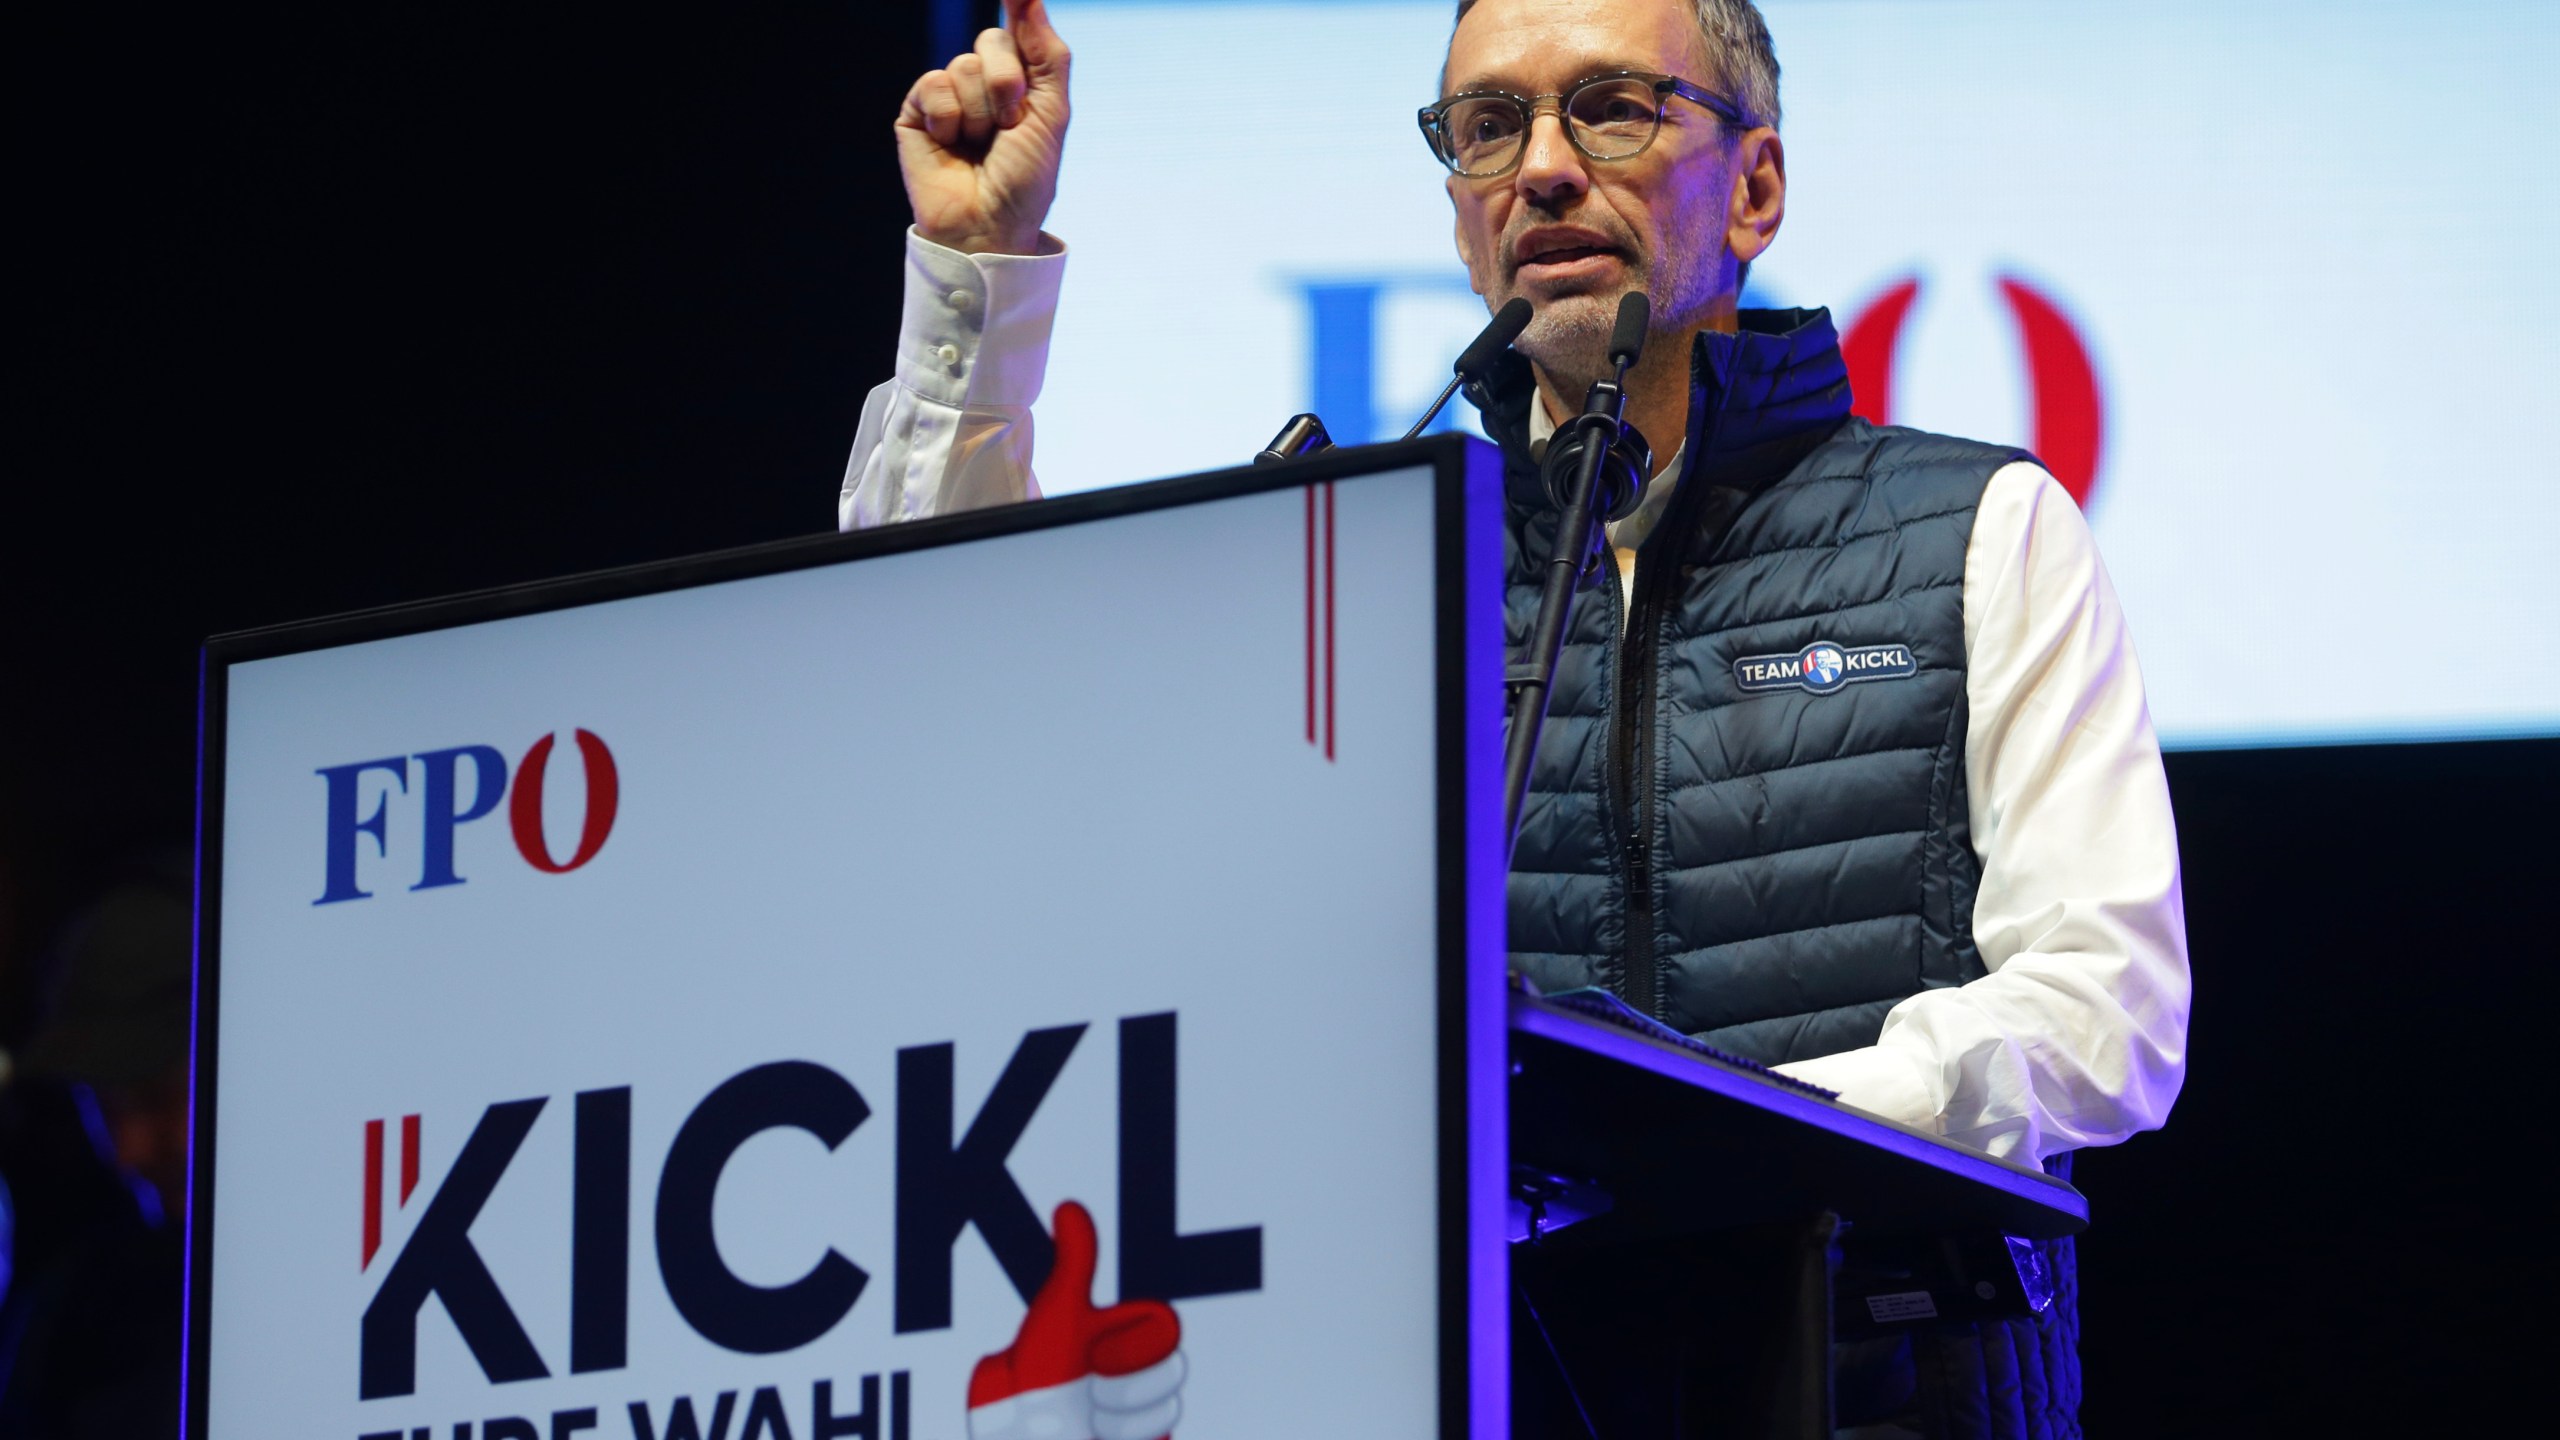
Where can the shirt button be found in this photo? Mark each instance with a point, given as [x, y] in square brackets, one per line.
[963, 301]
[947, 354]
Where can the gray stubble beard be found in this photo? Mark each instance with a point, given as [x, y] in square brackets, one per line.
[1569, 339]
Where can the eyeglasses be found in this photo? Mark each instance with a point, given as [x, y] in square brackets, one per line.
[1481, 133]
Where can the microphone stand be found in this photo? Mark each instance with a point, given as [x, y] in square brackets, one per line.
[1599, 430]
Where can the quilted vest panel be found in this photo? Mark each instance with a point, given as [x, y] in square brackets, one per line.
[1771, 869]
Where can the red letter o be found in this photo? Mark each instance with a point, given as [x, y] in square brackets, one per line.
[524, 807]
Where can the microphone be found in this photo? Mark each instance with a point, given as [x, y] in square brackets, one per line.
[1305, 434]
[1474, 369]
[1626, 461]
[1626, 339]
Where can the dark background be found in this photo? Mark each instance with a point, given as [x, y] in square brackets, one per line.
[328, 310]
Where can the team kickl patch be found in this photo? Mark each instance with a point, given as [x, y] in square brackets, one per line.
[1822, 667]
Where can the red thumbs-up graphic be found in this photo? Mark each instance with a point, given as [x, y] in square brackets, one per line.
[1075, 1372]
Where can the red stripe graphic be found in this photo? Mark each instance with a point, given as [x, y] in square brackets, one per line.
[372, 1190]
[1328, 621]
[1320, 617]
[408, 1156]
[1311, 614]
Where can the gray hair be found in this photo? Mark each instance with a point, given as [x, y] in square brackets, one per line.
[1738, 46]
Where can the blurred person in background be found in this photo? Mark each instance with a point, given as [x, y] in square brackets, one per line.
[93, 1149]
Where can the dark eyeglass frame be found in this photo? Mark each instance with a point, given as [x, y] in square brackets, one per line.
[1433, 118]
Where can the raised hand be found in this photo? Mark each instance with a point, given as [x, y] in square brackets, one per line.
[1075, 1372]
[979, 139]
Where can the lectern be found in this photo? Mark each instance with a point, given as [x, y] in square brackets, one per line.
[1039, 971]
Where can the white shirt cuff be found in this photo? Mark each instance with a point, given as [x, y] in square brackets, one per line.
[976, 328]
[1878, 1080]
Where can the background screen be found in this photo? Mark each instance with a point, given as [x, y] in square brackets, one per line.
[2286, 263]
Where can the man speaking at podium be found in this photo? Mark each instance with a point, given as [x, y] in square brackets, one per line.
[1950, 892]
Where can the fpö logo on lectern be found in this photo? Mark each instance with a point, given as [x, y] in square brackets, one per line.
[441, 810]
[1072, 1369]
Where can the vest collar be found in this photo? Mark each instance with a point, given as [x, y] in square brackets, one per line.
[1762, 397]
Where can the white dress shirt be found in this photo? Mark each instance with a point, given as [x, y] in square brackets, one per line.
[2078, 1034]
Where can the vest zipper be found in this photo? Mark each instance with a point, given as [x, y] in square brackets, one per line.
[1703, 513]
[1694, 507]
[1630, 748]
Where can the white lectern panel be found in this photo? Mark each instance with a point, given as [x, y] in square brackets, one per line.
[690, 1004]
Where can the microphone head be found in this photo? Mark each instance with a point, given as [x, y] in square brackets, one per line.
[1496, 337]
[1635, 316]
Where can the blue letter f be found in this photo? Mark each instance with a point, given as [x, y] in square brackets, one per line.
[344, 826]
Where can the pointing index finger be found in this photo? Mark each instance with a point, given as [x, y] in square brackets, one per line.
[1032, 33]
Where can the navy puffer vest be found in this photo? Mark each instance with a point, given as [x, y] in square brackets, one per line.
[1773, 869]
[1769, 869]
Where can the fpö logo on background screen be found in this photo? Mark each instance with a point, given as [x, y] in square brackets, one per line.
[1347, 324]
[441, 811]
[1073, 1370]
